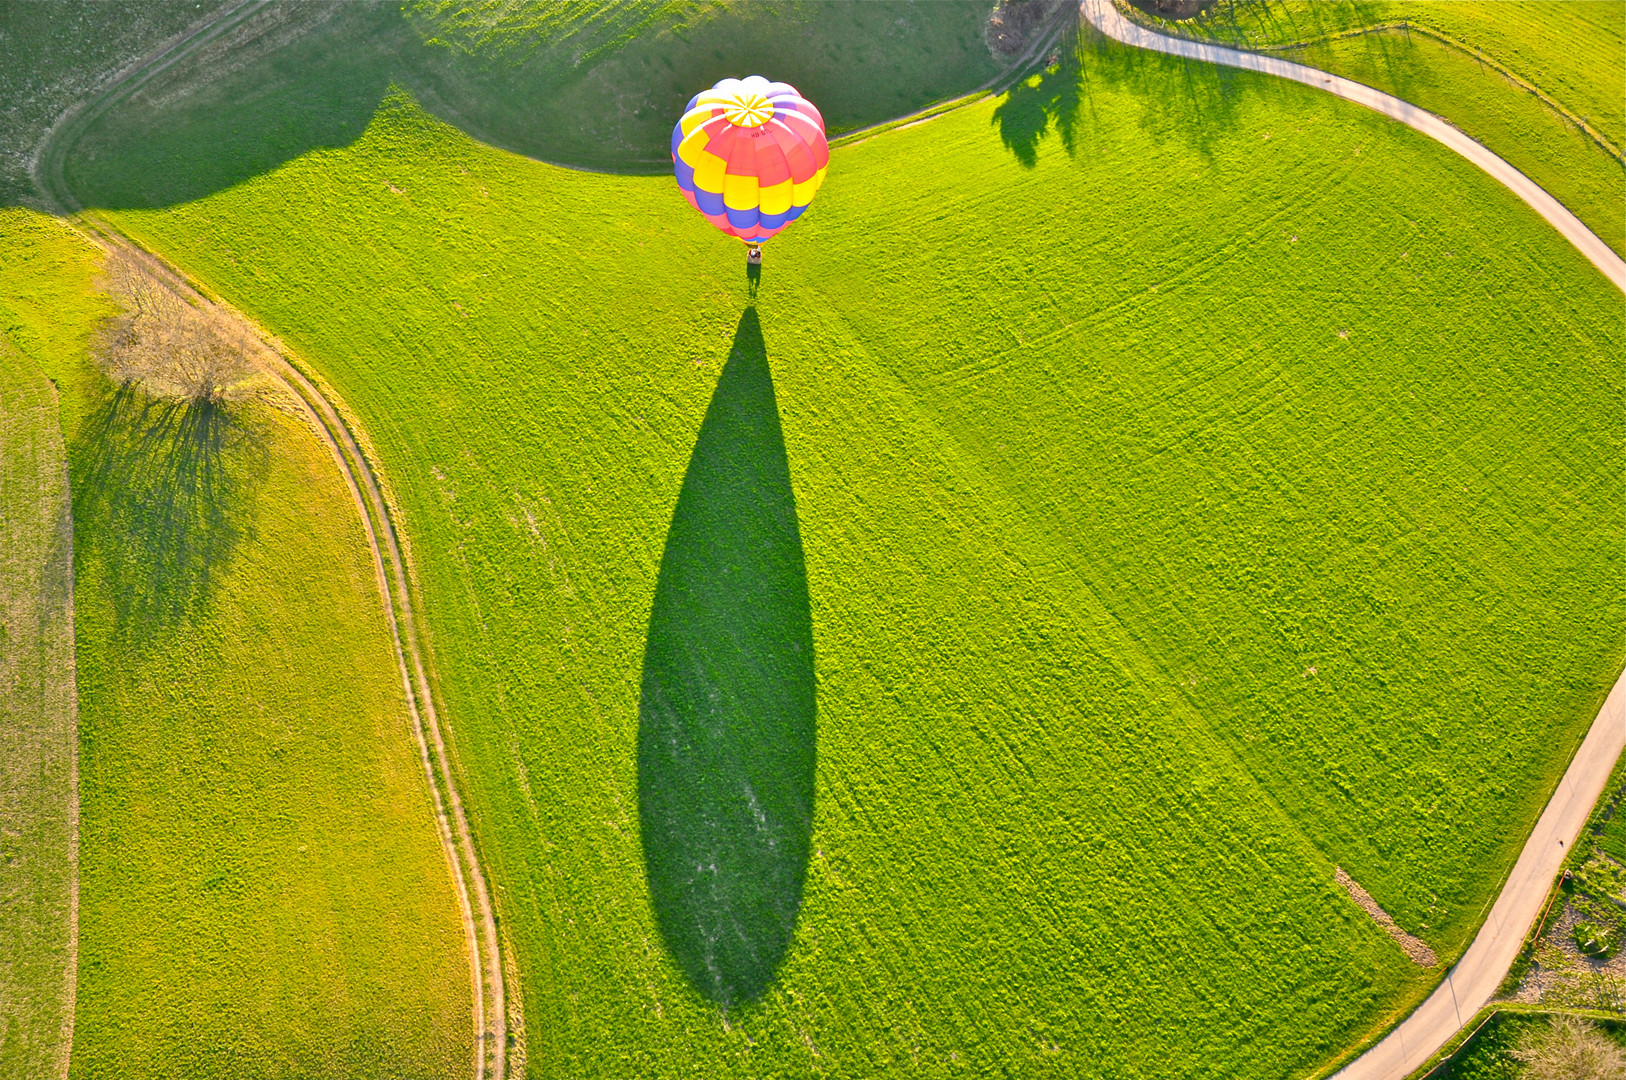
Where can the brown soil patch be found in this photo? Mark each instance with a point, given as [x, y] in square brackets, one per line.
[1016, 24]
[1414, 947]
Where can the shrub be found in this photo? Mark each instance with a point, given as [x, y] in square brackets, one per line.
[1570, 1048]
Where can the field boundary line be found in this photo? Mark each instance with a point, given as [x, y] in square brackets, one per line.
[1105, 17]
[1478, 54]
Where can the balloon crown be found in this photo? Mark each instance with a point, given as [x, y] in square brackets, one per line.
[747, 102]
[749, 109]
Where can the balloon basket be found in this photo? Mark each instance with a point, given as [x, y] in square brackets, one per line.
[753, 255]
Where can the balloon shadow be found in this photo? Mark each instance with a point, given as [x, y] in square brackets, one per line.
[727, 714]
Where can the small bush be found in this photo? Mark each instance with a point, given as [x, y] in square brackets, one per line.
[1570, 1048]
[1597, 939]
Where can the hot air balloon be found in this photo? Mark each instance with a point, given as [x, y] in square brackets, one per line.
[749, 154]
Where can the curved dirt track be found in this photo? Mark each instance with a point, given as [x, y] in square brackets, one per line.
[490, 998]
[1469, 985]
[50, 155]
[1106, 18]
[474, 898]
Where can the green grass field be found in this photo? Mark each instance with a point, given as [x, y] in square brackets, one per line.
[1199, 482]
[56, 52]
[585, 84]
[262, 891]
[38, 738]
[1574, 52]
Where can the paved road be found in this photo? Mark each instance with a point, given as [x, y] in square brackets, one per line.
[1482, 968]
[1471, 983]
[1107, 19]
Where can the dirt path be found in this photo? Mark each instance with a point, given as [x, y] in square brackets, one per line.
[338, 431]
[50, 155]
[1106, 18]
[1478, 975]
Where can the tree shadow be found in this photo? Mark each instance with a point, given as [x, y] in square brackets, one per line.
[1283, 22]
[590, 85]
[1185, 99]
[163, 492]
[727, 713]
[1036, 103]
[1190, 100]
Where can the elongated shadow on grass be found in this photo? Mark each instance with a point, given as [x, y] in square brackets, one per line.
[726, 718]
[162, 497]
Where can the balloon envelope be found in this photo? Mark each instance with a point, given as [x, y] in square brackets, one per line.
[749, 154]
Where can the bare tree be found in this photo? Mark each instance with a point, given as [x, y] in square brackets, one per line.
[162, 344]
[1570, 1049]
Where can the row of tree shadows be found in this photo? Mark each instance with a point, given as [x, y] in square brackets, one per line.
[322, 85]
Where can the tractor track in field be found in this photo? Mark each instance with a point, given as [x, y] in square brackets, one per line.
[1409, 1044]
[1475, 978]
[337, 429]
[47, 164]
[338, 433]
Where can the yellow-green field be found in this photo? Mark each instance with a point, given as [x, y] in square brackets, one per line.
[262, 891]
[1192, 499]
[40, 313]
